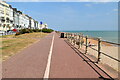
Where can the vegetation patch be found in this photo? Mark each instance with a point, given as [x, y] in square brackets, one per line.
[23, 31]
[12, 44]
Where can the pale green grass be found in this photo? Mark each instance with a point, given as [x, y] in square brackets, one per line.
[12, 44]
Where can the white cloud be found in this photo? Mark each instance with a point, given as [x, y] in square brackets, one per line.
[88, 5]
[115, 9]
[61, 0]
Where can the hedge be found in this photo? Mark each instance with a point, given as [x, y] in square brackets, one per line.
[23, 31]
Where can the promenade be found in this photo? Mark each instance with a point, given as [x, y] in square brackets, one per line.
[51, 57]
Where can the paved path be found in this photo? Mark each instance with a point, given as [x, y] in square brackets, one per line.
[51, 57]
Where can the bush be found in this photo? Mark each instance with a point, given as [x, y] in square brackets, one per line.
[35, 30]
[23, 31]
[17, 33]
[39, 30]
[30, 30]
[47, 30]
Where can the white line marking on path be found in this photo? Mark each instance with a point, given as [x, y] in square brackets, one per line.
[46, 74]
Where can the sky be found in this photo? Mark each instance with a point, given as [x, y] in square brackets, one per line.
[62, 0]
[73, 15]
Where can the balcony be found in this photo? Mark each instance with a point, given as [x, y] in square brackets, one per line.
[11, 21]
[7, 20]
[8, 25]
[4, 25]
[2, 19]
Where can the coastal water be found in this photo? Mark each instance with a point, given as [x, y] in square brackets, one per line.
[111, 36]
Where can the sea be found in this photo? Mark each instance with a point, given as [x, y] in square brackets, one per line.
[110, 36]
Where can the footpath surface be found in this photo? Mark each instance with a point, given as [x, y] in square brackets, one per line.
[51, 57]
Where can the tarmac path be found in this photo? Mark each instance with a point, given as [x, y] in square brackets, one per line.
[51, 57]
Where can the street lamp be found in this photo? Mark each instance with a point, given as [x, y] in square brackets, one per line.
[41, 27]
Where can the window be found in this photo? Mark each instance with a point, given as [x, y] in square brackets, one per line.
[0, 25]
[2, 19]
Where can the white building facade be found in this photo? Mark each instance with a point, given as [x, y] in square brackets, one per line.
[6, 16]
[2, 17]
[43, 26]
[16, 15]
[32, 24]
[11, 18]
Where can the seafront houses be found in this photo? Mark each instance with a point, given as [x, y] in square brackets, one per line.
[16, 15]
[25, 21]
[11, 18]
[32, 24]
[36, 24]
[21, 21]
[2, 18]
[29, 22]
[43, 26]
[6, 16]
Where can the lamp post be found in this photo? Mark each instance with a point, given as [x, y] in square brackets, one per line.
[41, 27]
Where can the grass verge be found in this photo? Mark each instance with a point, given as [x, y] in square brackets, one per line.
[13, 44]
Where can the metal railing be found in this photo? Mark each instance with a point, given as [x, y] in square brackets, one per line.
[81, 40]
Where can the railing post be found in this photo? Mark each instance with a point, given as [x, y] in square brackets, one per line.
[71, 37]
[99, 47]
[74, 38]
[79, 42]
[86, 44]
[67, 36]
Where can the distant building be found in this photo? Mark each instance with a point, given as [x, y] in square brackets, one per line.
[16, 15]
[2, 16]
[6, 16]
[36, 24]
[43, 26]
[11, 18]
[32, 24]
[25, 21]
[29, 22]
[21, 21]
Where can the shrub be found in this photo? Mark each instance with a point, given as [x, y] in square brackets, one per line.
[30, 30]
[39, 30]
[23, 31]
[17, 33]
[47, 30]
[35, 30]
